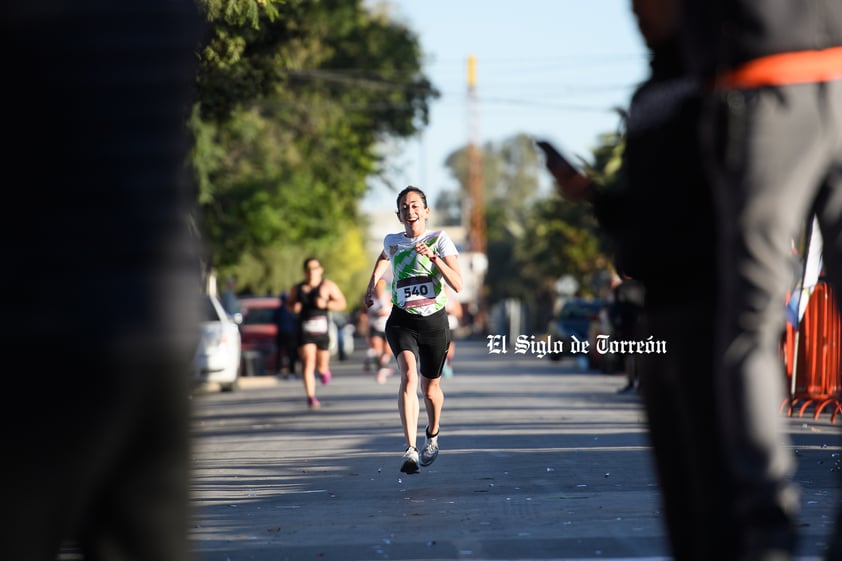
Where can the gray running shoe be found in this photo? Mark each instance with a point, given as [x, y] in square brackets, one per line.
[409, 462]
[430, 451]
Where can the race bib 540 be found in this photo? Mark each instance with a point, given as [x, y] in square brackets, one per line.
[415, 291]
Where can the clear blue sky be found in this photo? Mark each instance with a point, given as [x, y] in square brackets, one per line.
[550, 68]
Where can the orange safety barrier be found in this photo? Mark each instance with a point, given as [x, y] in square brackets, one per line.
[814, 357]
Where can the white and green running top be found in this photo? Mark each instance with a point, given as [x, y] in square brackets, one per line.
[418, 285]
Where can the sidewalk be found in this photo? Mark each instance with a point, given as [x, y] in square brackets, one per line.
[538, 461]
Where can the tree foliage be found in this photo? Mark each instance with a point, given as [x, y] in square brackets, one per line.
[534, 236]
[293, 99]
[240, 12]
[295, 96]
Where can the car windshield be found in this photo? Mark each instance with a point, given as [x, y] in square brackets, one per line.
[208, 311]
[254, 316]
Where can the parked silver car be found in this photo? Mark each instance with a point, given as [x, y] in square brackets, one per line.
[217, 357]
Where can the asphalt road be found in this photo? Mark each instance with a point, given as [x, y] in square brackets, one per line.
[539, 461]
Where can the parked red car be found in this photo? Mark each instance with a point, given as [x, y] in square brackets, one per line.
[258, 332]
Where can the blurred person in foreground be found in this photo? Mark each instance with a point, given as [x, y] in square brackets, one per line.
[772, 143]
[106, 279]
[660, 219]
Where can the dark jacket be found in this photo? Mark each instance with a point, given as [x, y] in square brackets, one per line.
[722, 34]
[625, 308]
[660, 214]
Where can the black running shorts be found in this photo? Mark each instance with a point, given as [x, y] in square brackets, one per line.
[427, 337]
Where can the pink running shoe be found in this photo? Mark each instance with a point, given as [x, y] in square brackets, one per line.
[325, 376]
[313, 403]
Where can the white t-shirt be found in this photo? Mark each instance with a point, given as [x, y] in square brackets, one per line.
[418, 285]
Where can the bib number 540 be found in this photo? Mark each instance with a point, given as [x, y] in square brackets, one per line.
[417, 290]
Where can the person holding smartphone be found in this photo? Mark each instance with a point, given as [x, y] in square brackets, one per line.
[659, 217]
[423, 263]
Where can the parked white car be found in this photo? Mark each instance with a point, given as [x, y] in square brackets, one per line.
[217, 357]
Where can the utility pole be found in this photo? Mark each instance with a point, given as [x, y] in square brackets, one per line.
[476, 217]
[475, 258]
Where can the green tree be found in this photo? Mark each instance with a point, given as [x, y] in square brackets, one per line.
[510, 173]
[294, 98]
[533, 235]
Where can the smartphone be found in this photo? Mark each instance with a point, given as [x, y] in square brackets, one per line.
[555, 158]
[573, 184]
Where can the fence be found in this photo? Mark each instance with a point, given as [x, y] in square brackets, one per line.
[813, 359]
